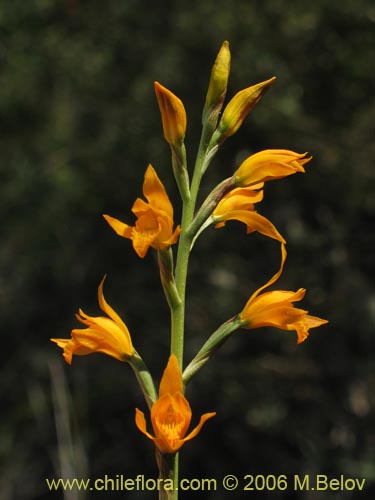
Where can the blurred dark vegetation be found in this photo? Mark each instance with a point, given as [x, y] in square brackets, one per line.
[79, 124]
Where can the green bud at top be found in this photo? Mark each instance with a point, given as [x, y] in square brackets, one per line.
[219, 79]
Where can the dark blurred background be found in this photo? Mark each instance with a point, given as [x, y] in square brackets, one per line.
[79, 124]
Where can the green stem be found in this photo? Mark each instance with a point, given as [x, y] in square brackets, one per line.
[168, 471]
[178, 311]
[165, 261]
[183, 253]
[175, 469]
[144, 378]
[206, 151]
[215, 341]
[179, 167]
[208, 206]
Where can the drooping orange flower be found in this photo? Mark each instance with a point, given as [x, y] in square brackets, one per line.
[154, 225]
[173, 115]
[275, 308]
[108, 335]
[238, 204]
[268, 165]
[171, 412]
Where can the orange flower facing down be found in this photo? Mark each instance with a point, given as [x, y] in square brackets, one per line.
[108, 335]
[268, 165]
[171, 413]
[238, 205]
[154, 225]
[173, 115]
[275, 308]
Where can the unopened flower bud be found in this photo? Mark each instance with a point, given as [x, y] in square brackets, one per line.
[173, 115]
[240, 106]
[219, 79]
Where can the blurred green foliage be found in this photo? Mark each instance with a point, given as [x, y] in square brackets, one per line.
[79, 123]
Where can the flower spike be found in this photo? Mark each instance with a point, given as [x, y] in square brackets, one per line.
[108, 335]
[171, 413]
[154, 225]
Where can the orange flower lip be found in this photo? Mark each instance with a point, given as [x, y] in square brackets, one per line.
[154, 225]
[171, 412]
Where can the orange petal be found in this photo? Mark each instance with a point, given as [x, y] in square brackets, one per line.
[304, 326]
[140, 422]
[105, 307]
[119, 227]
[274, 278]
[143, 239]
[70, 347]
[155, 192]
[198, 428]
[106, 342]
[275, 298]
[255, 222]
[239, 199]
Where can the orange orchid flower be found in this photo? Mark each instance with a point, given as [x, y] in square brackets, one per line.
[238, 204]
[108, 335]
[268, 165]
[275, 308]
[154, 225]
[171, 413]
